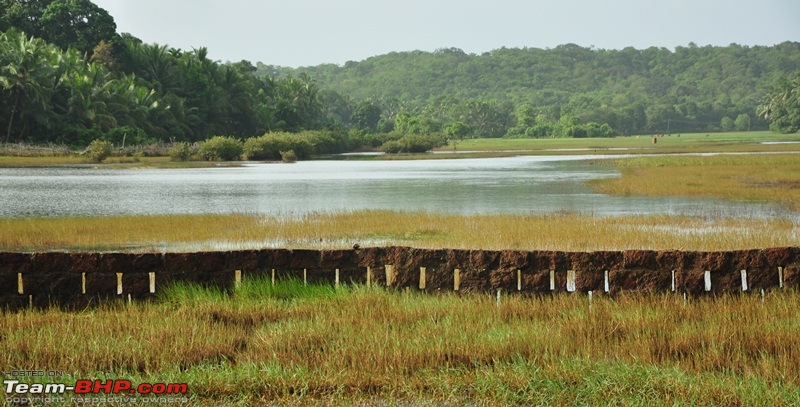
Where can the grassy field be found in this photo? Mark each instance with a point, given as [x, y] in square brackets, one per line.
[378, 228]
[753, 178]
[683, 143]
[309, 345]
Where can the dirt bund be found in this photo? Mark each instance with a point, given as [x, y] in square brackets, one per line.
[41, 279]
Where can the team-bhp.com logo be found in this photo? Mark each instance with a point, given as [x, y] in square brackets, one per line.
[95, 391]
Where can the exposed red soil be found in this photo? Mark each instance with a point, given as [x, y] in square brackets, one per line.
[58, 277]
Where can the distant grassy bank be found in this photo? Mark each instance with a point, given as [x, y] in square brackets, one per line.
[752, 178]
[572, 232]
[291, 343]
[642, 144]
[25, 155]
[112, 162]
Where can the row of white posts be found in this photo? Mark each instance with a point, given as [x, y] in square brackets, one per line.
[237, 276]
[390, 278]
[571, 279]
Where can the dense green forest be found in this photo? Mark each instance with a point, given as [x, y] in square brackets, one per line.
[67, 77]
[513, 90]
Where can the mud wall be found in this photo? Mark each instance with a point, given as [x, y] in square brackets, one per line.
[40, 279]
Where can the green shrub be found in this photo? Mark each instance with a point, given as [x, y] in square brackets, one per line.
[99, 150]
[288, 156]
[221, 148]
[270, 145]
[260, 148]
[180, 151]
[392, 147]
[418, 143]
[414, 144]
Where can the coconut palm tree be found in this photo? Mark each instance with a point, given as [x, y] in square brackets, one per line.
[26, 68]
[782, 106]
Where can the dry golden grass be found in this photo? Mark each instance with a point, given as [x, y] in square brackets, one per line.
[292, 343]
[762, 178]
[378, 228]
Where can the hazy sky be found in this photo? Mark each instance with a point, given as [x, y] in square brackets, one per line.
[311, 32]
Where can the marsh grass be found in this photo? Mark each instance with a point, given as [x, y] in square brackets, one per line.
[30, 150]
[291, 343]
[674, 143]
[751, 178]
[561, 231]
[156, 155]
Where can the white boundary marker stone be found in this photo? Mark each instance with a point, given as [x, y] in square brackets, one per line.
[119, 283]
[152, 277]
[672, 286]
[389, 275]
[744, 280]
[571, 286]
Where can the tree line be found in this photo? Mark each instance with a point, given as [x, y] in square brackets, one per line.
[67, 77]
[530, 92]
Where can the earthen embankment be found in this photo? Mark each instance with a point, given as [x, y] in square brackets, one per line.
[63, 278]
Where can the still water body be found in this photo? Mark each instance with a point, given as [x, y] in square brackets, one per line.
[524, 185]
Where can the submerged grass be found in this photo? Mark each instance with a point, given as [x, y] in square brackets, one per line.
[291, 343]
[562, 231]
[759, 178]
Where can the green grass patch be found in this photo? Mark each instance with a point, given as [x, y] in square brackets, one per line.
[643, 144]
[752, 178]
[316, 344]
[291, 289]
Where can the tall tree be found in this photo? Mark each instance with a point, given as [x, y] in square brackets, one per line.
[782, 106]
[79, 24]
[26, 67]
[24, 15]
[366, 116]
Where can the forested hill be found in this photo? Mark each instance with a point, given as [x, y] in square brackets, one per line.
[655, 89]
[67, 77]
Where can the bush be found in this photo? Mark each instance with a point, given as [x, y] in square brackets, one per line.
[270, 145]
[180, 151]
[414, 144]
[393, 147]
[288, 156]
[99, 150]
[421, 144]
[221, 148]
[259, 148]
